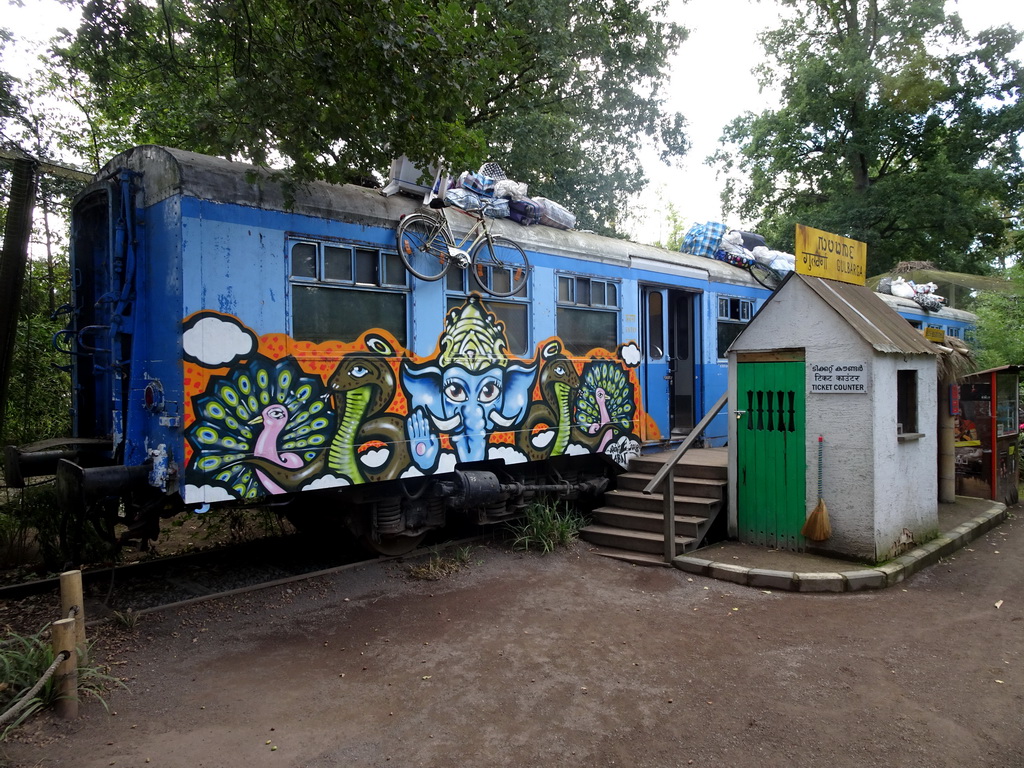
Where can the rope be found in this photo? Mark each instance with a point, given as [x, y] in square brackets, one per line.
[61, 658]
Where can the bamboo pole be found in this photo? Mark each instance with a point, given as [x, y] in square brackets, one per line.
[63, 639]
[71, 600]
[946, 445]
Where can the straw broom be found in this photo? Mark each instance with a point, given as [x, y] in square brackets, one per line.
[817, 527]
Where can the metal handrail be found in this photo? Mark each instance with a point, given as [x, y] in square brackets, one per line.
[666, 475]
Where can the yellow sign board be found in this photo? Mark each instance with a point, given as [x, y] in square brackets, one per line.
[822, 254]
[936, 335]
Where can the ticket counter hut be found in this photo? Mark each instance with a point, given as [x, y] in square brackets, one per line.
[830, 360]
[987, 434]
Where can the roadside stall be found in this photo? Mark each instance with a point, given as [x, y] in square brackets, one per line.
[986, 406]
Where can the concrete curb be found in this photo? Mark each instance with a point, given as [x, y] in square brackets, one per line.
[879, 577]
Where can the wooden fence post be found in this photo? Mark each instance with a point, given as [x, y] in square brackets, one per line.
[71, 598]
[63, 639]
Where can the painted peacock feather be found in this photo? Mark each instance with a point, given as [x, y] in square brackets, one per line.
[604, 397]
[265, 409]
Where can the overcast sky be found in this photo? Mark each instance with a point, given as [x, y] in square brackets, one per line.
[711, 84]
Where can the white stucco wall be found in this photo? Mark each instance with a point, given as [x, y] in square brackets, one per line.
[906, 472]
[873, 486]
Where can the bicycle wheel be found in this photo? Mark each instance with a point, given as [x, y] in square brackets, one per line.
[500, 267]
[766, 276]
[423, 244]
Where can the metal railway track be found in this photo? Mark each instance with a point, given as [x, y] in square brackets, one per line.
[177, 580]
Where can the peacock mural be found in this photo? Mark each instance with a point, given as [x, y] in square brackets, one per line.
[265, 409]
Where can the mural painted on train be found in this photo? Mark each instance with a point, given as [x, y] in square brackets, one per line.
[268, 414]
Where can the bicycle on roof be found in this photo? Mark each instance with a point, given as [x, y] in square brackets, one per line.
[428, 249]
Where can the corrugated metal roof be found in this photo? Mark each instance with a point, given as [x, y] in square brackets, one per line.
[872, 319]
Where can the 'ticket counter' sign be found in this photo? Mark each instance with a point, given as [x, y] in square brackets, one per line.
[838, 379]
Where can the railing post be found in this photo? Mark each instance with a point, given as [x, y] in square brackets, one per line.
[669, 506]
[63, 639]
[72, 605]
[666, 475]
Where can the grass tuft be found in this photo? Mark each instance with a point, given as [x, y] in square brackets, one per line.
[23, 661]
[441, 565]
[545, 526]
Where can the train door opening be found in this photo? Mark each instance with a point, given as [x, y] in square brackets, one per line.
[681, 364]
[669, 367]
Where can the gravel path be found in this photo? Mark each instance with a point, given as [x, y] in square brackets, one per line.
[568, 659]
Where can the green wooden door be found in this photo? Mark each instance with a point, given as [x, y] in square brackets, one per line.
[771, 459]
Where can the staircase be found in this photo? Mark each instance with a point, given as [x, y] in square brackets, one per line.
[630, 526]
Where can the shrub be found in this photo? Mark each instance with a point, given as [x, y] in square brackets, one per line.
[545, 526]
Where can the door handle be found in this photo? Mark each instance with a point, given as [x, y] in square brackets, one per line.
[739, 414]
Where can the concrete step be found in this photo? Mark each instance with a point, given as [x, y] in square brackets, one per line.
[700, 506]
[635, 558]
[634, 541]
[712, 488]
[654, 522]
[692, 465]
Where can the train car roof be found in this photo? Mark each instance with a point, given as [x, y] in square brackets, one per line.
[909, 305]
[168, 172]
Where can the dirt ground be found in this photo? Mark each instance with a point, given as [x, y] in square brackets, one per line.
[570, 660]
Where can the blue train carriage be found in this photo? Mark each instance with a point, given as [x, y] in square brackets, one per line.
[232, 344]
[957, 323]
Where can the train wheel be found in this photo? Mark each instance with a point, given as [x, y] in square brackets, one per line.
[393, 546]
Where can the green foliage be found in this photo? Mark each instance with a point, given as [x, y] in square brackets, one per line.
[24, 660]
[127, 620]
[545, 526]
[16, 539]
[562, 93]
[1000, 331]
[60, 537]
[39, 393]
[895, 128]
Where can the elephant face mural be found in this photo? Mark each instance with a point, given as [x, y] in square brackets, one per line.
[471, 390]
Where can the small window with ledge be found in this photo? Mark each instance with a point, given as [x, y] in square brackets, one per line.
[733, 315]
[906, 403]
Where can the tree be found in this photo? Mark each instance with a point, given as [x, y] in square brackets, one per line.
[1000, 331]
[559, 92]
[896, 128]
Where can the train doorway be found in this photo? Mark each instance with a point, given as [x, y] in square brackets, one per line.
[669, 323]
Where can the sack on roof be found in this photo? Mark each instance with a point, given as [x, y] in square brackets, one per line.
[553, 214]
[703, 239]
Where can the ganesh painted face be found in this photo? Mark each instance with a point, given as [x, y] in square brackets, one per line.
[472, 388]
[472, 398]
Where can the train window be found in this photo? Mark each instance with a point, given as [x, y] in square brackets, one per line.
[587, 315]
[955, 332]
[656, 321]
[337, 263]
[582, 330]
[325, 303]
[304, 260]
[321, 313]
[566, 295]
[394, 270]
[513, 315]
[366, 266]
[733, 316]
